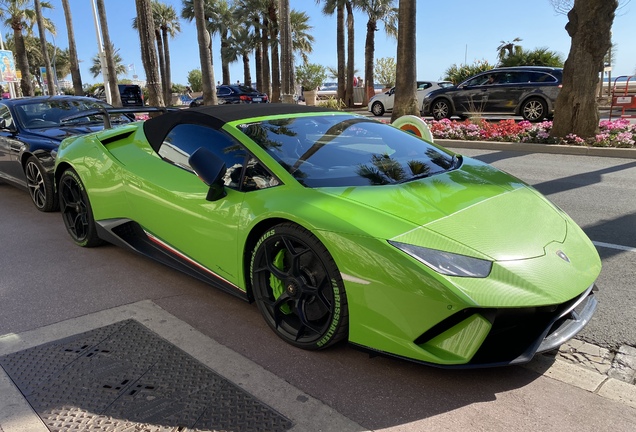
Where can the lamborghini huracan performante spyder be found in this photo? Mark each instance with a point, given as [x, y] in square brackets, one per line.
[339, 227]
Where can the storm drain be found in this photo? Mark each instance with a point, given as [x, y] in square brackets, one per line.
[123, 377]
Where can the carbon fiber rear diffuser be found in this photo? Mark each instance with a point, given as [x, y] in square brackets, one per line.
[123, 377]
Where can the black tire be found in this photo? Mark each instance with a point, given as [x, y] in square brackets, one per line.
[441, 109]
[298, 288]
[377, 109]
[76, 210]
[534, 110]
[40, 186]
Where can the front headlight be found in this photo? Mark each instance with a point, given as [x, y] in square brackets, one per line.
[447, 263]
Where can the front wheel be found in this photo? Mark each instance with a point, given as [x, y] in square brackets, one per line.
[298, 288]
[440, 109]
[377, 109]
[40, 185]
[534, 110]
[76, 210]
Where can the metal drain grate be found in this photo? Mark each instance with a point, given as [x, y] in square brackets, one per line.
[123, 377]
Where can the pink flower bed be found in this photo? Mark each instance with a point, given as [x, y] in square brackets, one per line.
[615, 133]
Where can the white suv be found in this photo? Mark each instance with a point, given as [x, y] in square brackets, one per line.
[383, 102]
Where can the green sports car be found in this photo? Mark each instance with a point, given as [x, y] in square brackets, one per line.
[339, 227]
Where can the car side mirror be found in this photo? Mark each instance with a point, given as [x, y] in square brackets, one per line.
[391, 92]
[211, 169]
[4, 126]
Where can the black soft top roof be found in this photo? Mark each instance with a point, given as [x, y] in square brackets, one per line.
[215, 116]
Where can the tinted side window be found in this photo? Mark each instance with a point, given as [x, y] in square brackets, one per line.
[223, 91]
[5, 115]
[542, 77]
[518, 77]
[243, 170]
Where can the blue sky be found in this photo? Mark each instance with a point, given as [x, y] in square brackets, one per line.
[450, 32]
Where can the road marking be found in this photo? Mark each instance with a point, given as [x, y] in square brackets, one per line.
[614, 246]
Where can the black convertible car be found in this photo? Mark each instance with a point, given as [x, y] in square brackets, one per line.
[31, 130]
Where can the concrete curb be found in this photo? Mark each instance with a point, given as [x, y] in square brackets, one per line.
[624, 153]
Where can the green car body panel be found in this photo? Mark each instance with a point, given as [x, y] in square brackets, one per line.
[393, 299]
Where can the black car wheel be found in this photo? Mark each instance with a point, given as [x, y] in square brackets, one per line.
[298, 288]
[76, 210]
[40, 185]
[534, 110]
[440, 109]
[377, 109]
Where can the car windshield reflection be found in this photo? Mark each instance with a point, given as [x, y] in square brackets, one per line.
[337, 151]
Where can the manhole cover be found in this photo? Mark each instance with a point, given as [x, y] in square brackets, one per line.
[123, 377]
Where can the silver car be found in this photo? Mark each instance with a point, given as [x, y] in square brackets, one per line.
[383, 102]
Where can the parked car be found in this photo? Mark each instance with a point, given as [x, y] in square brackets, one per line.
[31, 130]
[527, 91]
[339, 227]
[130, 94]
[234, 94]
[383, 102]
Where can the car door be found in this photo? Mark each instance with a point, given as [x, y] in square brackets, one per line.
[169, 200]
[471, 97]
[504, 95]
[10, 148]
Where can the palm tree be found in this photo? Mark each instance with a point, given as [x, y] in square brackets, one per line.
[115, 97]
[508, 48]
[34, 56]
[168, 20]
[272, 15]
[406, 99]
[75, 71]
[241, 43]
[377, 10]
[20, 16]
[302, 40]
[250, 12]
[50, 81]
[536, 57]
[287, 58]
[203, 39]
[148, 53]
[338, 6]
[348, 99]
[120, 67]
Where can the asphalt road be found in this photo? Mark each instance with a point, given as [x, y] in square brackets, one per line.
[600, 195]
[45, 279]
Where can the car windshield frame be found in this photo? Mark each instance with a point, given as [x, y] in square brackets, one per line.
[346, 150]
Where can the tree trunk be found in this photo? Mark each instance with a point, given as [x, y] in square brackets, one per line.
[162, 64]
[225, 65]
[340, 42]
[72, 50]
[148, 53]
[405, 102]
[26, 83]
[576, 108]
[203, 39]
[369, 50]
[50, 80]
[247, 74]
[287, 62]
[167, 80]
[267, 83]
[350, 56]
[108, 50]
[273, 25]
[258, 57]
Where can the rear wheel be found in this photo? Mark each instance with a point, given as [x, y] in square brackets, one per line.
[440, 109]
[76, 210]
[298, 288]
[40, 186]
[534, 110]
[377, 109]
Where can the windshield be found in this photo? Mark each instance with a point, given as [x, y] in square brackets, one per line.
[345, 150]
[47, 113]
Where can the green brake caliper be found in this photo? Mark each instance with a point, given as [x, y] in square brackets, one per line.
[278, 287]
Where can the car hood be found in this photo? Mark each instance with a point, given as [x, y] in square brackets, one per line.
[58, 134]
[490, 213]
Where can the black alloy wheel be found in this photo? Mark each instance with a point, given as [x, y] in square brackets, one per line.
[76, 210]
[298, 288]
[40, 186]
[534, 110]
[440, 109]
